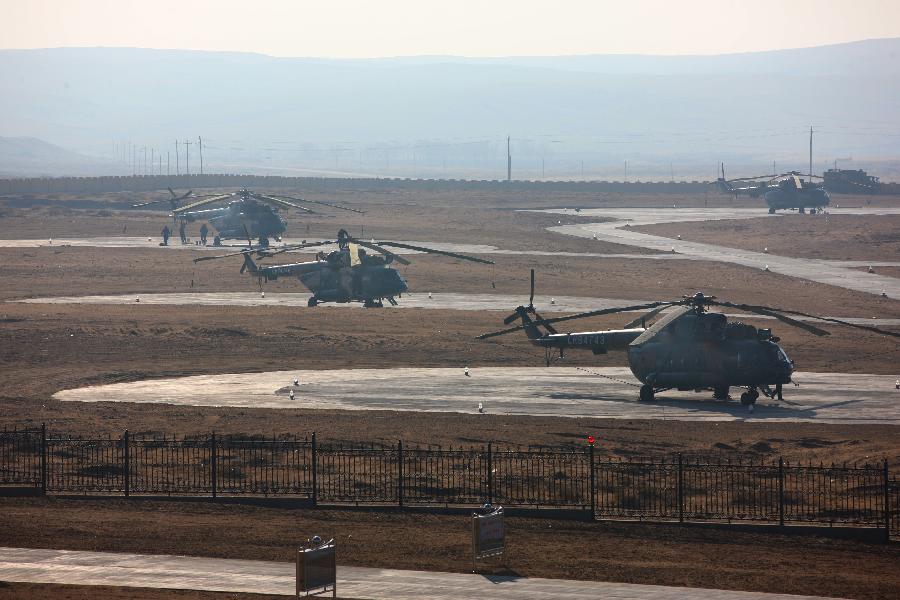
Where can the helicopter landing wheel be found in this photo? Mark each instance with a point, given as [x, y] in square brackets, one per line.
[771, 211]
[749, 397]
[312, 302]
[373, 304]
[646, 393]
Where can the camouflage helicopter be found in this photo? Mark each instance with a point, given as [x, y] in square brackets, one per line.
[688, 348]
[245, 213]
[348, 274]
[781, 192]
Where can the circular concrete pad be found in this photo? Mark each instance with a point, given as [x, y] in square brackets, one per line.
[609, 392]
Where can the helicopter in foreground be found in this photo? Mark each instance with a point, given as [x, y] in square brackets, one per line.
[781, 192]
[688, 348]
[348, 274]
[245, 213]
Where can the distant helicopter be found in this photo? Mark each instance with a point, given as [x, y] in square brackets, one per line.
[347, 274]
[785, 191]
[688, 348]
[245, 214]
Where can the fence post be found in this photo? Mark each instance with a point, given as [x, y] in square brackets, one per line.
[887, 503]
[490, 475]
[781, 491]
[593, 483]
[212, 462]
[127, 462]
[43, 459]
[315, 468]
[680, 489]
[400, 473]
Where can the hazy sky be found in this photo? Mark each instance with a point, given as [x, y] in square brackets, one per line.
[373, 28]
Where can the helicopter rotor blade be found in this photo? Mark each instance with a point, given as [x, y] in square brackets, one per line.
[772, 312]
[871, 328]
[383, 251]
[294, 248]
[218, 256]
[320, 202]
[433, 251]
[635, 322]
[582, 315]
[278, 202]
[150, 203]
[202, 202]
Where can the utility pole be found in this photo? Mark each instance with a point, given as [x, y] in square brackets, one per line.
[810, 152]
[626, 170]
[508, 162]
[177, 160]
[187, 157]
[151, 162]
[168, 163]
[200, 145]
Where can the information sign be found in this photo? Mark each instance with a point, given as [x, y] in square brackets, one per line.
[488, 534]
[317, 569]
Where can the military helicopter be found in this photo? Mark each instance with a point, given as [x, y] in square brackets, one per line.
[688, 348]
[781, 192]
[348, 274]
[245, 213]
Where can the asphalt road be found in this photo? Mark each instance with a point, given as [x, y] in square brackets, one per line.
[260, 577]
[609, 392]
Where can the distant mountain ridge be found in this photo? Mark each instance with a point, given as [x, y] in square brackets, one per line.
[27, 156]
[429, 116]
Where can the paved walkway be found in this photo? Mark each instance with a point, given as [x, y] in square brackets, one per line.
[228, 575]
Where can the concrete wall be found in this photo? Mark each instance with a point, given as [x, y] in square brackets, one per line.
[41, 186]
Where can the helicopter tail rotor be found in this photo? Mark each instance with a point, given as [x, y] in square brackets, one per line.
[248, 265]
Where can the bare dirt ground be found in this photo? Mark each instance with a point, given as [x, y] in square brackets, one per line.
[666, 554]
[835, 237]
[52, 347]
[888, 271]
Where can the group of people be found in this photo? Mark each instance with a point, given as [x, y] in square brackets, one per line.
[166, 233]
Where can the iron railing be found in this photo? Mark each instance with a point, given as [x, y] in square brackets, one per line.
[21, 458]
[683, 488]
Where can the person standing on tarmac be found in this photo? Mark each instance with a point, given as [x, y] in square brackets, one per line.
[182, 233]
[165, 235]
[203, 231]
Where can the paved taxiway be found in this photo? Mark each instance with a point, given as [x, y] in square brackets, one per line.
[277, 578]
[608, 392]
[821, 271]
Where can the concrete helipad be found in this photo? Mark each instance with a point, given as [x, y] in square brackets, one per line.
[277, 578]
[609, 392]
[821, 271]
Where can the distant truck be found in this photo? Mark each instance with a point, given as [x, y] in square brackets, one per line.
[850, 181]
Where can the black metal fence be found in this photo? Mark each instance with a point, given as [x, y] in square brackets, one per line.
[682, 488]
